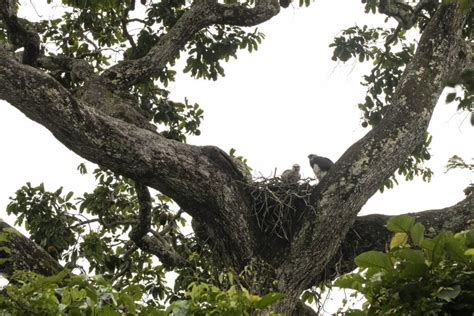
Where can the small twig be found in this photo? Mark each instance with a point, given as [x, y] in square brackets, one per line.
[124, 21]
[86, 222]
[171, 221]
[391, 38]
[119, 222]
[136, 20]
[274, 207]
[126, 265]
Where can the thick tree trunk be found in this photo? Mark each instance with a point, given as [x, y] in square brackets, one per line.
[207, 183]
[362, 169]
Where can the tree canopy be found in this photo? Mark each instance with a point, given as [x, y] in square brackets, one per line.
[97, 78]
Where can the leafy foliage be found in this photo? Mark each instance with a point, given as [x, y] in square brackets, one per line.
[180, 118]
[456, 162]
[208, 299]
[218, 43]
[416, 275]
[66, 294]
[46, 215]
[89, 232]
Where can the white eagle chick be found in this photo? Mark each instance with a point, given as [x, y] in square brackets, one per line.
[292, 175]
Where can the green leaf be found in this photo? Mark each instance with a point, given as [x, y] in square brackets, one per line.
[469, 252]
[350, 281]
[355, 312]
[69, 195]
[375, 259]
[413, 270]
[345, 55]
[307, 297]
[269, 299]
[128, 302]
[400, 223]
[454, 249]
[3, 260]
[107, 311]
[450, 97]
[412, 255]
[398, 240]
[469, 238]
[465, 4]
[417, 233]
[435, 247]
[449, 293]
[3, 237]
[5, 250]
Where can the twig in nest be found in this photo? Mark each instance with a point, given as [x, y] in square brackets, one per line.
[275, 204]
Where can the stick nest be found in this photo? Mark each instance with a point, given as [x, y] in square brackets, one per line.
[279, 205]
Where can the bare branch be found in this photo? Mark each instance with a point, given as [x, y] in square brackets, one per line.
[399, 10]
[151, 244]
[124, 21]
[20, 32]
[78, 68]
[240, 15]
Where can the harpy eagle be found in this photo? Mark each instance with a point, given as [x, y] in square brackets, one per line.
[292, 175]
[320, 165]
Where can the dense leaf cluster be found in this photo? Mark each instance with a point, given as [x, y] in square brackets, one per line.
[89, 233]
[210, 46]
[416, 275]
[66, 294]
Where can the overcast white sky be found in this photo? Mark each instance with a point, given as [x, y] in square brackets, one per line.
[275, 106]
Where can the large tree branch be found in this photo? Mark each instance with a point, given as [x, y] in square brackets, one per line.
[191, 175]
[20, 32]
[152, 244]
[201, 14]
[24, 254]
[370, 233]
[363, 168]
[202, 180]
[240, 15]
[79, 68]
